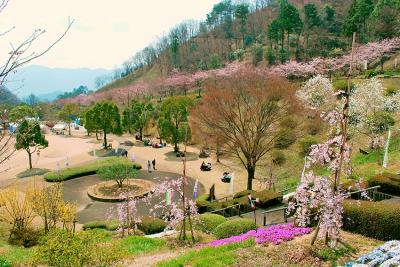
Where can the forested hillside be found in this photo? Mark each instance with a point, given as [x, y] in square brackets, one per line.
[262, 33]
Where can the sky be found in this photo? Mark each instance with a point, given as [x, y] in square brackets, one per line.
[104, 33]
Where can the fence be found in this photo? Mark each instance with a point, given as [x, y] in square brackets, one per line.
[285, 215]
[371, 192]
[234, 210]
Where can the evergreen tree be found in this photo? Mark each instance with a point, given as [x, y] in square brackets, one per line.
[30, 138]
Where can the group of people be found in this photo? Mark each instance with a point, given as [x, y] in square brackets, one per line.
[205, 167]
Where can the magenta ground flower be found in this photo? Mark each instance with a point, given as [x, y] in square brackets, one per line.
[274, 234]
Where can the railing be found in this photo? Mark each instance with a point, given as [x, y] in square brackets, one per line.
[371, 193]
[285, 216]
[234, 210]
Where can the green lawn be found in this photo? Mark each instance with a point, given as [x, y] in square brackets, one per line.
[209, 256]
[14, 255]
[32, 172]
[86, 169]
[134, 245]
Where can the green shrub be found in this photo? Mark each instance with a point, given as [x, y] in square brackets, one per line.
[389, 183]
[266, 197]
[370, 73]
[27, 237]
[378, 220]
[234, 227]
[87, 169]
[305, 145]
[108, 225]
[150, 225]
[278, 158]
[4, 263]
[203, 203]
[86, 248]
[285, 139]
[208, 222]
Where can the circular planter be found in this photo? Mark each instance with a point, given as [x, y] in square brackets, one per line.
[144, 188]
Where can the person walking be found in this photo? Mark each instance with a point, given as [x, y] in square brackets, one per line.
[154, 164]
[149, 166]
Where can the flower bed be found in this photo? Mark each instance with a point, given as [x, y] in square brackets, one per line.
[275, 234]
[386, 255]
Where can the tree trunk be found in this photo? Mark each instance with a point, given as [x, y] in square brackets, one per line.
[105, 139]
[30, 159]
[97, 135]
[176, 148]
[69, 128]
[251, 170]
[141, 134]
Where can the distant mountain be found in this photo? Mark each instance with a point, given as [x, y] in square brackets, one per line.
[6, 97]
[48, 83]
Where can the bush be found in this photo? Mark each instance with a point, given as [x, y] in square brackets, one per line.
[150, 225]
[370, 73]
[4, 263]
[87, 169]
[108, 225]
[27, 237]
[305, 145]
[390, 183]
[203, 203]
[257, 54]
[234, 227]
[285, 139]
[278, 158]
[63, 248]
[208, 222]
[378, 220]
[266, 197]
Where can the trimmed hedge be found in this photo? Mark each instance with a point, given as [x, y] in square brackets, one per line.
[87, 169]
[208, 222]
[108, 225]
[378, 220]
[390, 183]
[234, 227]
[150, 225]
[267, 198]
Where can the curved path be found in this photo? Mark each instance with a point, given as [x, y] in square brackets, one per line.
[75, 191]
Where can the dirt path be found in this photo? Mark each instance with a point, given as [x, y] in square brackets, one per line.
[152, 260]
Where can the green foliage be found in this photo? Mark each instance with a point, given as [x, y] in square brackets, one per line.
[63, 248]
[257, 54]
[32, 172]
[285, 139]
[107, 118]
[209, 256]
[215, 61]
[133, 245]
[270, 56]
[278, 158]
[118, 172]
[207, 222]
[378, 220]
[239, 54]
[202, 203]
[266, 197]
[30, 138]
[305, 145]
[82, 89]
[20, 113]
[370, 73]
[137, 117]
[108, 225]
[24, 237]
[389, 183]
[173, 121]
[234, 227]
[87, 169]
[333, 254]
[68, 113]
[4, 263]
[150, 225]
[311, 16]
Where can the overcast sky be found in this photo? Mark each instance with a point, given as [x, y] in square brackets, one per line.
[105, 33]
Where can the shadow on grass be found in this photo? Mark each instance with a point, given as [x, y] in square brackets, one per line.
[32, 172]
[190, 156]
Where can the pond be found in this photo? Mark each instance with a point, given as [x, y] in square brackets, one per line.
[75, 191]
